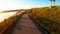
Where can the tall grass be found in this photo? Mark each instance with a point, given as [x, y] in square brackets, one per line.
[47, 18]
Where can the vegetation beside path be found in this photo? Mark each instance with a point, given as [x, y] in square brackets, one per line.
[7, 26]
[48, 19]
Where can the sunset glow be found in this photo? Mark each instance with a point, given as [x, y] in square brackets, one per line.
[24, 4]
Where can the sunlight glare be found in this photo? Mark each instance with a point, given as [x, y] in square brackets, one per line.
[11, 5]
[6, 15]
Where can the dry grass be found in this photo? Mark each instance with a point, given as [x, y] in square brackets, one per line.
[49, 18]
[9, 23]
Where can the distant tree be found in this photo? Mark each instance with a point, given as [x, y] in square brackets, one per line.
[52, 2]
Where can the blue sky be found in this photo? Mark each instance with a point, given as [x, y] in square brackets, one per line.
[23, 4]
[36, 2]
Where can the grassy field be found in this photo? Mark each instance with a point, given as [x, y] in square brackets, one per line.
[48, 18]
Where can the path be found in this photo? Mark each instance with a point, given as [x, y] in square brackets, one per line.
[26, 26]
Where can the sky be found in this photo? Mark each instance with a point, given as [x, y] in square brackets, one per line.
[23, 4]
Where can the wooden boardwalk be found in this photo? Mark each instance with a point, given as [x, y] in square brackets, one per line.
[26, 26]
